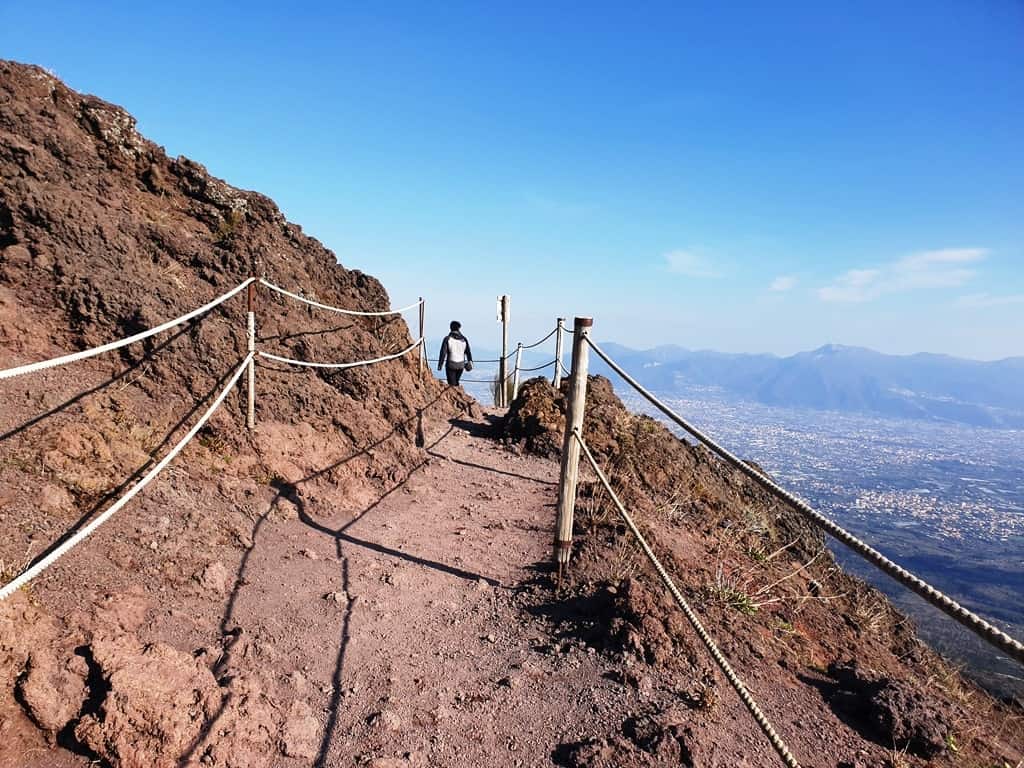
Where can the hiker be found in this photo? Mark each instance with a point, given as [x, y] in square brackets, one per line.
[455, 356]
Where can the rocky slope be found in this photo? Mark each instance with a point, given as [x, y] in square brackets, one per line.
[823, 652]
[103, 235]
[331, 589]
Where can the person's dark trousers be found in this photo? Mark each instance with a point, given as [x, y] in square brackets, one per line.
[453, 374]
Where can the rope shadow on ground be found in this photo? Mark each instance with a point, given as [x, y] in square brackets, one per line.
[290, 492]
[137, 473]
[132, 366]
[341, 536]
[503, 472]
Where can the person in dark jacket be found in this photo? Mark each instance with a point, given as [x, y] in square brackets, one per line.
[455, 354]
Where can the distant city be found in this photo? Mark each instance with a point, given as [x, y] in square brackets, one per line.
[942, 498]
[945, 500]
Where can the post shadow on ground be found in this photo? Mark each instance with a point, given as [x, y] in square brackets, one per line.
[479, 430]
[290, 491]
[341, 536]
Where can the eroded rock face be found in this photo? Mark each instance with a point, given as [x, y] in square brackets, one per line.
[157, 702]
[537, 417]
[891, 711]
[134, 704]
[52, 691]
[103, 235]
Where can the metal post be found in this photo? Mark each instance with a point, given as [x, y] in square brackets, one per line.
[559, 330]
[570, 447]
[423, 344]
[515, 376]
[503, 307]
[250, 410]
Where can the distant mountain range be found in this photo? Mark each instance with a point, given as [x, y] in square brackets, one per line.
[840, 378]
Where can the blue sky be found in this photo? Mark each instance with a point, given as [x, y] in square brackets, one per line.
[741, 176]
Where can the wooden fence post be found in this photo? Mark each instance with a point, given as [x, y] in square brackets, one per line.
[515, 378]
[503, 363]
[250, 327]
[423, 343]
[559, 330]
[570, 447]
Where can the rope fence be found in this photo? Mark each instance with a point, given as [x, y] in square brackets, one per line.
[43, 563]
[691, 616]
[538, 367]
[340, 366]
[541, 341]
[979, 626]
[92, 352]
[340, 310]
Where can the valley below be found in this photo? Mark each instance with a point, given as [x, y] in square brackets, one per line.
[944, 500]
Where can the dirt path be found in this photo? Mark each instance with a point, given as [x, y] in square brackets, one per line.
[421, 652]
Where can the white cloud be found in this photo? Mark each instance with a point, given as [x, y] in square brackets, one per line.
[985, 300]
[783, 283]
[689, 263]
[944, 268]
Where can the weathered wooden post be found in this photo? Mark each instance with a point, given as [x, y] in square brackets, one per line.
[503, 312]
[250, 410]
[559, 330]
[570, 447]
[515, 377]
[423, 343]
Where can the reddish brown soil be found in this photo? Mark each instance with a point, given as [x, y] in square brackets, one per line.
[323, 590]
[836, 668]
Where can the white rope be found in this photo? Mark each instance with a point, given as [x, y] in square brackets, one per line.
[26, 576]
[329, 308]
[75, 356]
[338, 366]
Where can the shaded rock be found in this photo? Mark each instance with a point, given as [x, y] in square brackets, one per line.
[891, 711]
[53, 498]
[386, 720]
[537, 418]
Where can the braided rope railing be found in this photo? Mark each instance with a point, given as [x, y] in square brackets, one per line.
[950, 607]
[538, 367]
[541, 341]
[340, 366]
[340, 310]
[87, 353]
[709, 643]
[41, 565]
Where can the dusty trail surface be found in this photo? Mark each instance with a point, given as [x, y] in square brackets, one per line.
[401, 630]
[419, 653]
